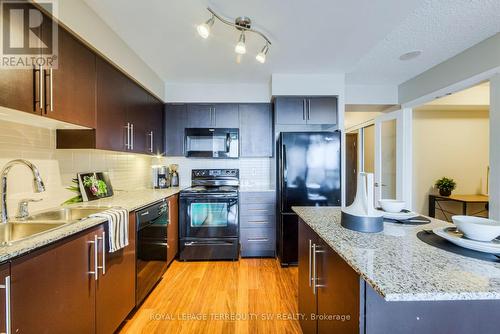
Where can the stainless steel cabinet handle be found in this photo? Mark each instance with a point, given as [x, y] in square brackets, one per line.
[310, 264]
[304, 109]
[152, 141]
[131, 136]
[257, 239]
[314, 268]
[127, 139]
[8, 312]
[51, 80]
[96, 264]
[103, 240]
[215, 118]
[40, 86]
[308, 109]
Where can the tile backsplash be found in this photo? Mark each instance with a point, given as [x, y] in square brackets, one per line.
[59, 167]
[126, 171]
[254, 172]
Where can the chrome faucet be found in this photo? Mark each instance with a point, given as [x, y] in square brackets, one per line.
[38, 185]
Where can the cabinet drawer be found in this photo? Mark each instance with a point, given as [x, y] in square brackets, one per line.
[258, 221]
[258, 197]
[257, 242]
[257, 209]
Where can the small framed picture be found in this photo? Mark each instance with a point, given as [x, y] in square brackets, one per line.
[94, 186]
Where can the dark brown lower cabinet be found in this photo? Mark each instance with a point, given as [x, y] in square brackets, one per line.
[173, 228]
[53, 289]
[115, 287]
[72, 286]
[308, 305]
[344, 303]
[5, 288]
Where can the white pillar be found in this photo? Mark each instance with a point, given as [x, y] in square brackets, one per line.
[494, 186]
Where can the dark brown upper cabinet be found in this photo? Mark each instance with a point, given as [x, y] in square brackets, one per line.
[20, 88]
[70, 89]
[176, 120]
[112, 131]
[256, 130]
[299, 110]
[155, 133]
[216, 115]
[65, 92]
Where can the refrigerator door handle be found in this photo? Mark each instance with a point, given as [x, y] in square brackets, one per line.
[284, 177]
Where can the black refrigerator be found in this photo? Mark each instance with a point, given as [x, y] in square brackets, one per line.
[308, 174]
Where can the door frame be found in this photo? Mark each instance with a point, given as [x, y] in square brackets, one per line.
[404, 154]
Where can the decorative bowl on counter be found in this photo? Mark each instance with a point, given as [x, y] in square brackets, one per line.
[476, 228]
[392, 205]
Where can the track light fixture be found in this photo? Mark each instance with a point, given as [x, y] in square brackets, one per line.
[243, 24]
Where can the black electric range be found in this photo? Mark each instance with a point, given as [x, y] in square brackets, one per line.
[209, 216]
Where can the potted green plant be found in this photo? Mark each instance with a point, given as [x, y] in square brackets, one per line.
[445, 186]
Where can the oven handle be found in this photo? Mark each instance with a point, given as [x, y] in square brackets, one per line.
[201, 243]
[208, 197]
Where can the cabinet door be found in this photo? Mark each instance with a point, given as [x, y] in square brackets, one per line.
[307, 298]
[53, 290]
[156, 125]
[226, 115]
[322, 110]
[256, 130]
[290, 110]
[111, 131]
[201, 115]
[20, 88]
[70, 92]
[115, 288]
[176, 120]
[338, 292]
[173, 228]
[4, 280]
[137, 100]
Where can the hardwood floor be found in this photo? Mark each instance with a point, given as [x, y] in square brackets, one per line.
[248, 296]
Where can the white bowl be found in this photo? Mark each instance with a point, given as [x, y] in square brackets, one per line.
[476, 228]
[392, 205]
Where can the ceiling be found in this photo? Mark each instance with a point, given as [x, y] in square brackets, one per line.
[362, 38]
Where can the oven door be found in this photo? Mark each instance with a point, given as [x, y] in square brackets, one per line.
[209, 216]
[212, 143]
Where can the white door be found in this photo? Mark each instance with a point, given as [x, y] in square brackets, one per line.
[393, 156]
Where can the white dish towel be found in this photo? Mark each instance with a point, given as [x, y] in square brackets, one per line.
[117, 227]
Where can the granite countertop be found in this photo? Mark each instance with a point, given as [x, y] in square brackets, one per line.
[130, 200]
[399, 266]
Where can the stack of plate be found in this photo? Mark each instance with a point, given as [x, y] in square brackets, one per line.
[453, 235]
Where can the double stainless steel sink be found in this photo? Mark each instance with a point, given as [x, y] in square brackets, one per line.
[17, 230]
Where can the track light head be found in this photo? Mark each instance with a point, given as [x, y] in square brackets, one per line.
[241, 48]
[204, 29]
[261, 56]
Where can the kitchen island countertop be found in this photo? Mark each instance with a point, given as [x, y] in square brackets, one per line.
[399, 266]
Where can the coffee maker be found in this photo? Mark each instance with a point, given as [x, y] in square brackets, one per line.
[160, 177]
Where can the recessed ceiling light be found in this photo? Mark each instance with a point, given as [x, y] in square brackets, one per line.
[410, 55]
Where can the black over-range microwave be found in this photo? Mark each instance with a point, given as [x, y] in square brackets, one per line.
[218, 143]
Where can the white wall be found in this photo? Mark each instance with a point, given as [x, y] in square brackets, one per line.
[371, 94]
[494, 190]
[357, 118]
[199, 92]
[81, 19]
[475, 64]
[453, 144]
